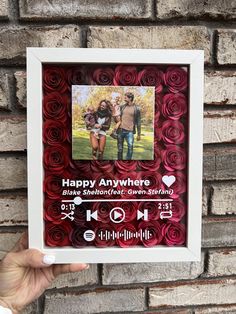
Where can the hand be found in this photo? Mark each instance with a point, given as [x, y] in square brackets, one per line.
[26, 273]
[138, 137]
[97, 126]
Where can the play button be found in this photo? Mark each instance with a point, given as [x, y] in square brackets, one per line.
[117, 215]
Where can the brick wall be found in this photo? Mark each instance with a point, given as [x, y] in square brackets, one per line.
[204, 287]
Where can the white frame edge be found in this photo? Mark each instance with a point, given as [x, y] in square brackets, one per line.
[193, 58]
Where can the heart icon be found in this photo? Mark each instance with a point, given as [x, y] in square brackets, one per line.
[168, 180]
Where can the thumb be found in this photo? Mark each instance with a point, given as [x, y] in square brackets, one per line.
[31, 258]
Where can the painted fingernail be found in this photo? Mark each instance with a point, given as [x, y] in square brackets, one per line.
[49, 259]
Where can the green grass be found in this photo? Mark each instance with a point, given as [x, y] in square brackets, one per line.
[81, 149]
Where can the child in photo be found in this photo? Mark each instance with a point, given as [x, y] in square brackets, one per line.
[90, 120]
[115, 111]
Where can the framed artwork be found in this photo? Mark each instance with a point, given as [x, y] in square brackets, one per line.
[115, 154]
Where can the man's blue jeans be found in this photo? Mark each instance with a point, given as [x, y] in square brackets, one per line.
[128, 136]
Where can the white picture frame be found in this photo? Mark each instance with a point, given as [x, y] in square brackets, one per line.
[195, 60]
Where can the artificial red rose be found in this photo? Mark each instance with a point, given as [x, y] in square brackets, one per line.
[105, 235]
[151, 76]
[176, 79]
[57, 234]
[103, 76]
[174, 158]
[52, 211]
[103, 209]
[158, 101]
[76, 76]
[123, 182]
[179, 186]
[152, 209]
[124, 166]
[83, 166]
[174, 106]
[54, 132]
[173, 233]
[101, 178]
[55, 106]
[154, 179]
[80, 214]
[52, 186]
[157, 152]
[150, 233]
[55, 158]
[178, 210]
[125, 75]
[172, 132]
[150, 165]
[102, 166]
[130, 209]
[54, 79]
[127, 235]
[156, 118]
[77, 236]
[104, 184]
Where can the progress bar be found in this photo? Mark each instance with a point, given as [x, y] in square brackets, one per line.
[78, 200]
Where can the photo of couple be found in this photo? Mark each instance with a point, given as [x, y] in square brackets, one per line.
[107, 122]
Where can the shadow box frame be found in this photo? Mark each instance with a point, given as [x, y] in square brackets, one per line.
[194, 59]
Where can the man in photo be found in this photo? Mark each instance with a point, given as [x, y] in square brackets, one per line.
[130, 118]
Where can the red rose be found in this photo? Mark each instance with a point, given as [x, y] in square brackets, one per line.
[179, 186]
[76, 76]
[173, 233]
[55, 105]
[172, 132]
[174, 158]
[153, 210]
[130, 209]
[150, 232]
[174, 106]
[127, 236]
[54, 79]
[57, 234]
[151, 76]
[102, 166]
[125, 75]
[83, 165]
[158, 101]
[103, 76]
[80, 214]
[124, 166]
[55, 158]
[77, 237]
[178, 210]
[153, 177]
[54, 132]
[150, 165]
[157, 152]
[104, 235]
[156, 118]
[176, 79]
[53, 186]
[52, 211]
[123, 177]
[103, 209]
[101, 185]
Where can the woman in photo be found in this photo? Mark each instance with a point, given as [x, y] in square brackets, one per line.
[98, 132]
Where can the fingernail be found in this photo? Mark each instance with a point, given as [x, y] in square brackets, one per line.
[49, 259]
[86, 266]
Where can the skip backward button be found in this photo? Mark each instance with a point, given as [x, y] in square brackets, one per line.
[90, 215]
